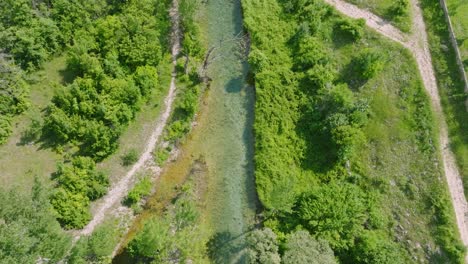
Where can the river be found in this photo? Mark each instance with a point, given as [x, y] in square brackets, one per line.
[223, 137]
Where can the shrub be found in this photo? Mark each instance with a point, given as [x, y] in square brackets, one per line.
[141, 189]
[369, 63]
[301, 247]
[354, 28]
[130, 158]
[161, 156]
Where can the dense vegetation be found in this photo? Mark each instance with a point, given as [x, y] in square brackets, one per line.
[344, 148]
[114, 59]
[29, 231]
[31, 33]
[78, 184]
[451, 87]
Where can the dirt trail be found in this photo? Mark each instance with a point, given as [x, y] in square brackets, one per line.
[121, 188]
[418, 44]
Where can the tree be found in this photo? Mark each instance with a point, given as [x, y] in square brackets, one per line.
[152, 242]
[374, 247]
[263, 247]
[72, 208]
[335, 212]
[301, 247]
[28, 229]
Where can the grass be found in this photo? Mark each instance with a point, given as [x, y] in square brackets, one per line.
[19, 163]
[458, 10]
[382, 8]
[451, 87]
[400, 157]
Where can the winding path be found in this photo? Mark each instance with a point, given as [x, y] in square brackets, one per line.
[417, 43]
[121, 188]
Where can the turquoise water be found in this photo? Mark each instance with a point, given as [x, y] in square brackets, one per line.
[230, 135]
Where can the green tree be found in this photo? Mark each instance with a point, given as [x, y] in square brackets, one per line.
[152, 242]
[263, 247]
[301, 247]
[72, 208]
[28, 229]
[335, 212]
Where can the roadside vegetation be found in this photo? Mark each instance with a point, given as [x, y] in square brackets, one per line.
[345, 141]
[398, 12]
[451, 86]
[29, 231]
[457, 11]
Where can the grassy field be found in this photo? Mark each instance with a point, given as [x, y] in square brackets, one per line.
[19, 163]
[458, 10]
[383, 8]
[398, 162]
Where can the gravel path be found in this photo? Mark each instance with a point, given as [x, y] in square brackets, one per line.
[418, 44]
[120, 189]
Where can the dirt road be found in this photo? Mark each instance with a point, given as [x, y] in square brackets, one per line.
[418, 44]
[120, 189]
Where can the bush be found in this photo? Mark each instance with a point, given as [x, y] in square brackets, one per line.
[141, 189]
[72, 208]
[152, 242]
[369, 63]
[77, 184]
[161, 156]
[400, 8]
[98, 247]
[301, 247]
[352, 28]
[130, 158]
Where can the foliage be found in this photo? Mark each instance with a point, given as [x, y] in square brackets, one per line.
[172, 234]
[369, 63]
[28, 229]
[13, 95]
[98, 247]
[115, 59]
[374, 247]
[152, 242]
[161, 156]
[334, 212]
[141, 189]
[352, 28]
[32, 31]
[130, 157]
[77, 184]
[301, 247]
[263, 247]
[400, 8]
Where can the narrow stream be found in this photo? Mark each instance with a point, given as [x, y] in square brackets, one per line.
[223, 138]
